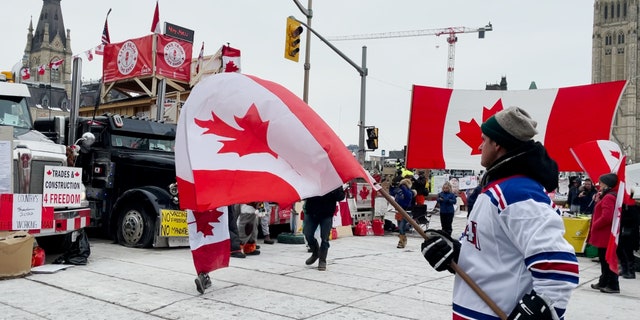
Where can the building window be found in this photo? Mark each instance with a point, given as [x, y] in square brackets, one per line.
[621, 38]
[618, 10]
[606, 12]
[620, 50]
[624, 9]
[607, 52]
[608, 40]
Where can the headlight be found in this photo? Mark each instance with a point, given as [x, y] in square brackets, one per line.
[173, 189]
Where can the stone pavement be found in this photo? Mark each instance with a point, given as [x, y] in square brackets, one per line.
[366, 278]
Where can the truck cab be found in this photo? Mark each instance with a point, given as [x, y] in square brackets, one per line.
[128, 168]
[32, 152]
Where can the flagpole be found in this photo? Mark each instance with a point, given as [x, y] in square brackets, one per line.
[494, 307]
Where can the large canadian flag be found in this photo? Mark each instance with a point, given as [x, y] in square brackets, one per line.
[209, 239]
[598, 157]
[241, 139]
[444, 126]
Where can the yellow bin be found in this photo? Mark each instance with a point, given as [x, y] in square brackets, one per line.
[576, 231]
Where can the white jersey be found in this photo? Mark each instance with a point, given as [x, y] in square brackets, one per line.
[514, 243]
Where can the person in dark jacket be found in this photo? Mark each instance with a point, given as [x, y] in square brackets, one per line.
[318, 211]
[404, 196]
[629, 238]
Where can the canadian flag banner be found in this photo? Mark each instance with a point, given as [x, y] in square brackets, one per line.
[25, 73]
[200, 58]
[155, 24]
[622, 197]
[55, 65]
[209, 239]
[230, 59]
[598, 157]
[41, 69]
[89, 54]
[238, 133]
[444, 125]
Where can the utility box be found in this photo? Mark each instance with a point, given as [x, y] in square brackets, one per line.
[16, 248]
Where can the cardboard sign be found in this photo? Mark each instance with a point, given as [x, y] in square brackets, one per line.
[62, 187]
[27, 212]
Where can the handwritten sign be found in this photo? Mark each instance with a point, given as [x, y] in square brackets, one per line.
[62, 186]
[173, 223]
[27, 211]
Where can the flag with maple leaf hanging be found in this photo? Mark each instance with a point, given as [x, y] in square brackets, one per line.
[241, 139]
[444, 125]
[622, 197]
[209, 239]
[89, 54]
[230, 59]
[25, 73]
[55, 65]
[41, 69]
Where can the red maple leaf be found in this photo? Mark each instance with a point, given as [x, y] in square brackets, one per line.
[252, 138]
[204, 220]
[471, 133]
[364, 192]
[615, 154]
[231, 67]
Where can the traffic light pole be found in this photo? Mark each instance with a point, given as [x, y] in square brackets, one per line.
[363, 84]
[307, 52]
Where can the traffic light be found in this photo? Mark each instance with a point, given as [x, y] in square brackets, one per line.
[292, 39]
[372, 138]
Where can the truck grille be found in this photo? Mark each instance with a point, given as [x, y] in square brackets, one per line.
[37, 174]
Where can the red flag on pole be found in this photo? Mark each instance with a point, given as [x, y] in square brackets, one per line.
[623, 198]
[155, 24]
[105, 36]
[41, 69]
[54, 65]
[230, 59]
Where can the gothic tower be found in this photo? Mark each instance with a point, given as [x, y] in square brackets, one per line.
[50, 43]
[614, 57]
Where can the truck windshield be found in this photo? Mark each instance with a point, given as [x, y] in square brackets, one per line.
[15, 112]
[128, 142]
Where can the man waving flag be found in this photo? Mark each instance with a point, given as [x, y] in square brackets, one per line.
[241, 139]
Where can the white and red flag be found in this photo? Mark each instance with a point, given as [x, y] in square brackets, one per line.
[241, 139]
[89, 54]
[200, 58]
[230, 59]
[55, 65]
[25, 73]
[104, 39]
[597, 157]
[444, 125]
[622, 198]
[41, 69]
[155, 24]
[209, 239]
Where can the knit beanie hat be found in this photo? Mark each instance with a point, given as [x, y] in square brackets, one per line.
[510, 127]
[610, 179]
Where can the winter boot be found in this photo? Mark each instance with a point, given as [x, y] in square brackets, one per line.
[314, 256]
[268, 240]
[202, 282]
[631, 272]
[322, 265]
[402, 241]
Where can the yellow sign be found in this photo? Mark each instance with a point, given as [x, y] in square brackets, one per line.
[173, 223]
[576, 231]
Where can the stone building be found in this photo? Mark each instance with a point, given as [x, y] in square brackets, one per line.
[614, 57]
[49, 42]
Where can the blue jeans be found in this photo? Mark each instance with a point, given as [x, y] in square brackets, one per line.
[403, 226]
[311, 223]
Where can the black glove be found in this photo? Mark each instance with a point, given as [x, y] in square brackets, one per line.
[533, 306]
[440, 249]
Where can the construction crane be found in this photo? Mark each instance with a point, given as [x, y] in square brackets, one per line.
[451, 40]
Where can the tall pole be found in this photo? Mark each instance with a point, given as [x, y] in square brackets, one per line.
[308, 12]
[363, 88]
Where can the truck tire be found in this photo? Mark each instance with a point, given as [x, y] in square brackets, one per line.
[135, 227]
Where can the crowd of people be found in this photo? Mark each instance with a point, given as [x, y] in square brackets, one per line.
[513, 245]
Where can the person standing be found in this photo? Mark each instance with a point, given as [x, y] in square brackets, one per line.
[572, 197]
[587, 197]
[513, 245]
[248, 228]
[403, 195]
[446, 201]
[234, 239]
[629, 240]
[265, 218]
[600, 231]
[318, 211]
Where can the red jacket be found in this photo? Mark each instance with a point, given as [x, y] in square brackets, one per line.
[602, 219]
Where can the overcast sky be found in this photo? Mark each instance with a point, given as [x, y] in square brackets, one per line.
[546, 41]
